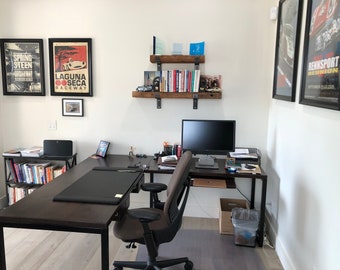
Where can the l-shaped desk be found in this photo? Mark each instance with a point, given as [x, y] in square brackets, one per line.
[39, 211]
[223, 175]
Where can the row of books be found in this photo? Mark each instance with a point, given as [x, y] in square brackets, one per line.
[17, 193]
[34, 151]
[34, 173]
[174, 80]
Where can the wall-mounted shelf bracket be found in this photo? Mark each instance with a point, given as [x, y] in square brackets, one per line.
[195, 101]
[158, 101]
[197, 63]
[159, 63]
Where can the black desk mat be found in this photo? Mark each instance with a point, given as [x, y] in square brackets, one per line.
[101, 185]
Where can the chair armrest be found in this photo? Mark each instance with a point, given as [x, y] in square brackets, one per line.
[154, 187]
[144, 215]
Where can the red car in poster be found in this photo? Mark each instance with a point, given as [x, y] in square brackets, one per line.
[322, 13]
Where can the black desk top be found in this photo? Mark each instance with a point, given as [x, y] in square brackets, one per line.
[220, 173]
[39, 209]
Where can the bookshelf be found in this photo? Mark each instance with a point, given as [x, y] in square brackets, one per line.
[25, 174]
[173, 59]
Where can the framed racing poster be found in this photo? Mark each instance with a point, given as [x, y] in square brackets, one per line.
[70, 66]
[320, 78]
[22, 67]
[287, 49]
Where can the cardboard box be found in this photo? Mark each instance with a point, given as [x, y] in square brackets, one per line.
[226, 206]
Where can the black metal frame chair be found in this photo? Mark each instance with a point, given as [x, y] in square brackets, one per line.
[154, 226]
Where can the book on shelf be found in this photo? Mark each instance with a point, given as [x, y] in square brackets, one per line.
[176, 80]
[16, 152]
[34, 151]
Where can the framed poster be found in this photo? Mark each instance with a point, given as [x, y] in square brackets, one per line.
[22, 65]
[320, 78]
[287, 49]
[70, 66]
[73, 107]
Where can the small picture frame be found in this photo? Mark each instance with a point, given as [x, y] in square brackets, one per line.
[102, 148]
[72, 107]
[230, 161]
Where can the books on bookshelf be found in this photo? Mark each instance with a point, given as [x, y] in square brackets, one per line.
[174, 80]
[17, 193]
[33, 172]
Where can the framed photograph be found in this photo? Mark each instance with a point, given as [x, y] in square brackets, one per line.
[287, 49]
[22, 63]
[102, 148]
[70, 66]
[72, 107]
[320, 77]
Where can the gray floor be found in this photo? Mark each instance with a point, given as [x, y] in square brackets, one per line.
[47, 250]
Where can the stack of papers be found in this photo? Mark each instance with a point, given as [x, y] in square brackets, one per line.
[243, 153]
[13, 152]
[35, 151]
[167, 162]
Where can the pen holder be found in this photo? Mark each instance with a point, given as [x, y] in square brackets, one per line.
[168, 150]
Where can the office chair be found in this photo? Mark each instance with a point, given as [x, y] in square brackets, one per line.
[153, 226]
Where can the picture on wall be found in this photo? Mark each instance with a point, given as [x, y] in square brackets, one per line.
[70, 66]
[320, 78]
[72, 107]
[22, 65]
[287, 49]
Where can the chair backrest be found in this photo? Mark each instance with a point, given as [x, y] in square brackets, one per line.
[173, 208]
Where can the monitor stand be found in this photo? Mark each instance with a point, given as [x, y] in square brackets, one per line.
[206, 162]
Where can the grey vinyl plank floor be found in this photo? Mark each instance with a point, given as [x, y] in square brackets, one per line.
[51, 250]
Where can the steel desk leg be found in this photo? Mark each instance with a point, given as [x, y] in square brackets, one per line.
[252, 196]
[2, 250]
[263, 211]
[105, 249]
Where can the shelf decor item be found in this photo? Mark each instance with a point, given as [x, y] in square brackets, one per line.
[22, 65]
[287, 49]
[70, 66]
[320, 77]
[72, 107]
[102, 148]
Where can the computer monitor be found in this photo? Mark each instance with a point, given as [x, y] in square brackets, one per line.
[208, 137]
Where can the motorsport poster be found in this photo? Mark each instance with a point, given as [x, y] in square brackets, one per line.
[321, 60]
[71, 68]
[286, 53]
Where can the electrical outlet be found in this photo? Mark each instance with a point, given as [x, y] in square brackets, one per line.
[52, 125]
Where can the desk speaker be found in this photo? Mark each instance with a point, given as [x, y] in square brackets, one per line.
[58, 148]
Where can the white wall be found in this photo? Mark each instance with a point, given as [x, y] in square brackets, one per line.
[298, 142]
[303, 159]
[236, 47]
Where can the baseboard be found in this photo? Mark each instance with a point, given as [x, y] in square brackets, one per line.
[280, 249]
[270, 230]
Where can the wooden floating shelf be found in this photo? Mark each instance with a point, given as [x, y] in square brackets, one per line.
[177, 58]
[200, 95]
